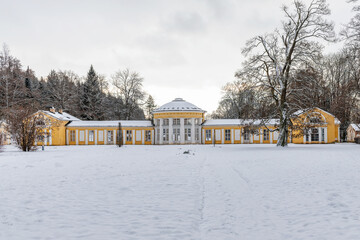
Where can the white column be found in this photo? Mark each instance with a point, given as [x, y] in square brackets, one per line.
[143, 137]
[95, 133]
[182, 131]
[310, 135]
[192, 130]
[77, 137]
[152, 136]
[251, 137]
[171, 131]
[271, 136]
[50, 138]
[222, 136]
[133, 133]
[114, 137]
[67, 137]
[261, 136]
[105, 137]
[86, 136]
[232, 135]
[338, 134]
[45, 140]
[203, 136]
[319, 131]
[304, 138]
[161, 131]
[326, 137]
[242, 135]
[124, 137]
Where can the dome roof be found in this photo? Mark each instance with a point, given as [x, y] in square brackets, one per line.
[178, 105]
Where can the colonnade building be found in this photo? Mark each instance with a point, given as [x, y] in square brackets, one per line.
[181, 122]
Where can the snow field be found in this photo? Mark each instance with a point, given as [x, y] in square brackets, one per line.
[157, 192]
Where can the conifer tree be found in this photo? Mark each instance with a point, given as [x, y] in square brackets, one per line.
[91, 99]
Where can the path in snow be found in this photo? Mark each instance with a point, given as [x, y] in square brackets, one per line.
[157, 192]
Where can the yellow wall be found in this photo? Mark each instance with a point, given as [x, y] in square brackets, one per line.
[179, 115]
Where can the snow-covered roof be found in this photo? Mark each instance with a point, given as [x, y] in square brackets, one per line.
[124, 123]
[239, 122]
[299, 112]
[355, 126]
[61, 116]
[178, 105]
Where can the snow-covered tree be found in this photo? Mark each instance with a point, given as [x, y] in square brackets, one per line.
[91, 99]
[272, 59]
[129, 90]
[149, 106]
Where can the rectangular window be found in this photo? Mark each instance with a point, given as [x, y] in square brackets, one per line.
[246, 135]
[147, 135]
[314, 135]
[82, 136]
[176, 134]
[119, 136]
[208, 134]
[101, 135]
[165, 134]
[306, 132]
[157, 122]
[72, 135]
[266, 135]
[128, 135]
[187, 134]
[187, 121]
[197, 134]
[227, 135]
[166, 122]
[109, 136]
[322, 134]
[176, 121]
[91, 136]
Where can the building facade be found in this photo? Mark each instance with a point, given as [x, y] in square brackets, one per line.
[181, 122]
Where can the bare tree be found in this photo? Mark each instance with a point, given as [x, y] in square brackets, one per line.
[273, 58]
[129, 89]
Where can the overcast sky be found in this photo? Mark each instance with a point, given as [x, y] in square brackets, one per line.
[181, 48]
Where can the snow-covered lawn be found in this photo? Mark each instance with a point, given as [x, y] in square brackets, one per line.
[238, 192]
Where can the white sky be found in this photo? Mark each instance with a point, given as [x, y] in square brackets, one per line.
[182, 48]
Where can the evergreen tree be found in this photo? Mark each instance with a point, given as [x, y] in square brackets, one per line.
[91, 102]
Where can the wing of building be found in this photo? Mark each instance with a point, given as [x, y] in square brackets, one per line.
[181, 122]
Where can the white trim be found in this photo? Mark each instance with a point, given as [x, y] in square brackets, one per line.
[77, 137]
[222, 136]
[86, 137]
[261, 135]
[326, 136]
[95, 133]
[105, 137]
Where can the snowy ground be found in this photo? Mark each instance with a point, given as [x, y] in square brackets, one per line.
[255, 192]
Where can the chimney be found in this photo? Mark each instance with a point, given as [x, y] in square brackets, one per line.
[52, 109]
[60, 111]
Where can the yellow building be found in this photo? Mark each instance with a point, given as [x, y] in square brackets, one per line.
[53, 123]
[237, 131]
[315, 126]
[180, 122]
[107, 132]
